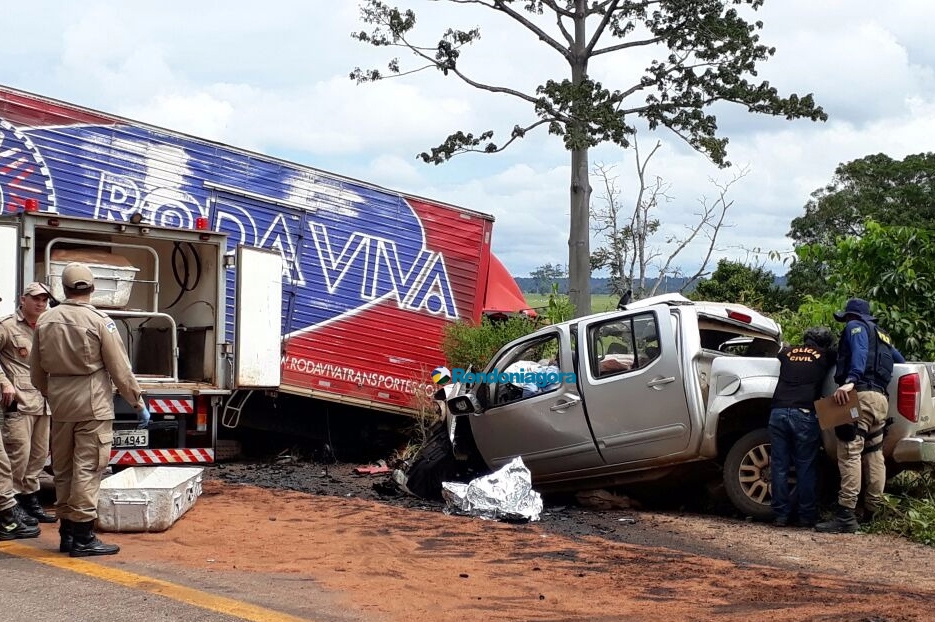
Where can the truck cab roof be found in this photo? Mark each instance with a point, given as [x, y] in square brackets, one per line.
[747, 321]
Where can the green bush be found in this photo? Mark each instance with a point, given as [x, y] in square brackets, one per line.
[560, 308]
[466, 344]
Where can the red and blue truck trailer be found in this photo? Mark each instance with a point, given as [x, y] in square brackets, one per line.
[238, 272]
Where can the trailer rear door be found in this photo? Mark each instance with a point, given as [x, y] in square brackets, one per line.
[258, 313]
[9, 259]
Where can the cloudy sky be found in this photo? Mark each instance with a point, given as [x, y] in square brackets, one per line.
[273, 77]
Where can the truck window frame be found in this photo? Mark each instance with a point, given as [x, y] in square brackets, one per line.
[641, 345]
[496, 390]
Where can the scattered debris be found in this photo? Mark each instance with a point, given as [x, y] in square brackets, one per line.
[387, 487]
[605, 500]
[399, 476]
[372, 470]
[505, 494]
[286, 456]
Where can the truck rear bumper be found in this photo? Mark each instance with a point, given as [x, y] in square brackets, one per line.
[201, 455]
[915, 450]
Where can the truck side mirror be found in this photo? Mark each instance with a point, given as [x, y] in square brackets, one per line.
[465, 404]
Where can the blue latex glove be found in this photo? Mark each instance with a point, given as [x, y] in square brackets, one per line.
[142, 418]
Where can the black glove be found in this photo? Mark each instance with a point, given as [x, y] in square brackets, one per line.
[846, 432]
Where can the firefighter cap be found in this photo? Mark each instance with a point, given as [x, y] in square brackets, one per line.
[77, 276]
[35, 289]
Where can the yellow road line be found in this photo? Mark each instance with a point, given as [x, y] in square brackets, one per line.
[220, 604]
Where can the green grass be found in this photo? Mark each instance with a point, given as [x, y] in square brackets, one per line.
[908, 507]
[599, 302]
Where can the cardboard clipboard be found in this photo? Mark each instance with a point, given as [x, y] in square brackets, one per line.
[831, 415]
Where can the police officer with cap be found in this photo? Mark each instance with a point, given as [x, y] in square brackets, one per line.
[77, 357]
[26, 420]
[865, 363]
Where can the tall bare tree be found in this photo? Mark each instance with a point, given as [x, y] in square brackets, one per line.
[705, 52]
[631, 246]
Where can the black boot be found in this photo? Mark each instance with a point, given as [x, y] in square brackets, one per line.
[65, 536]
[13, 529]
[844, 521]
[84, 543]
[31, 505]
[21, 516]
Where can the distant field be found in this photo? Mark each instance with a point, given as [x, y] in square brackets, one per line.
[599, 302]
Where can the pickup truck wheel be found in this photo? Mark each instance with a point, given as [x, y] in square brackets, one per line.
[434, 464]
[747, 476]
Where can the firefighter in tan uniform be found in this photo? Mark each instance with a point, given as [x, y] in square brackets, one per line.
[25, 429]
[77, 357]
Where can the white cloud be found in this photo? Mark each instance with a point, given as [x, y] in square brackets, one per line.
[200, 114]
[393, 170]
[275, 79]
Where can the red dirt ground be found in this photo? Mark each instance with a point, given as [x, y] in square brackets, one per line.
[398, 563]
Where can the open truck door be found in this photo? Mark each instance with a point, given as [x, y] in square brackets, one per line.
[9, 259]
[258, 323]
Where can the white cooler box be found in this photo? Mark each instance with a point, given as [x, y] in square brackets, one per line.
[147, 498]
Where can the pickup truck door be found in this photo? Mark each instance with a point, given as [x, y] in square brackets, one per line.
[546, 426]
[632, 384]
[9, 259]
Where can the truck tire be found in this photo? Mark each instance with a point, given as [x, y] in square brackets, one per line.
[746, 474]
[226, 450]
[434, 464]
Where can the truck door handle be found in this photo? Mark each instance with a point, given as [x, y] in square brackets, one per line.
[570, 401]
[658, 382]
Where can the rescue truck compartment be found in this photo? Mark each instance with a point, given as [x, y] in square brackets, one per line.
[161, 289]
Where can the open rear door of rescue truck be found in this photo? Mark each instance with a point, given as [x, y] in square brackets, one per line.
[258, 312]
[9, 259]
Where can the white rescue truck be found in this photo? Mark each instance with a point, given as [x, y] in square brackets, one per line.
[173, 327]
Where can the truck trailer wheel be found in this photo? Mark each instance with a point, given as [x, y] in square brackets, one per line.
[434, 464]
[746, 474]
[226, 450]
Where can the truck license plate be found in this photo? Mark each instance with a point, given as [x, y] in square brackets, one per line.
[131, 438]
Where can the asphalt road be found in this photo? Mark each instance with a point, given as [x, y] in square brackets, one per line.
[38, 583]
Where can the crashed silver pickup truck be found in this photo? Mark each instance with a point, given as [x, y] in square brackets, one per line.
[665, 387]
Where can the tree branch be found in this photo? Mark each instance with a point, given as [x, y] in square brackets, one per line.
[518, 132]
[499, 5]
[684, 243]
[565, 33]
[552, 4]
[623, 46]
[494, 89]
[716, 228]
[608, 14]
[362, 78]
[479, 85]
